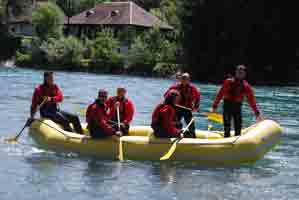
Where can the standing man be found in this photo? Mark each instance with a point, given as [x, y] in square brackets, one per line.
[51, 95]
[126, 109]
[233, 91]
[189, 101]
[98, 120]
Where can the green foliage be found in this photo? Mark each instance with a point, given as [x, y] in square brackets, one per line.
[165, 69]
[151, 48]
[64, 51]
[105, 49]
[168, 12]
[48, 21]
[29, 53]
[23, 58]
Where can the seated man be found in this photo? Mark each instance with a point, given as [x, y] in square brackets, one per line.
[164, 118]
[126, 110]
[98, 120]
[48, 95]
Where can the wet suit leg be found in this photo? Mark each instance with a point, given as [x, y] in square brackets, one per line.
[159, 133]
[237, 117]
[125, 129]
[74, 119]
[227, 116]
[96, 132]
[187, 115]
[64, 119]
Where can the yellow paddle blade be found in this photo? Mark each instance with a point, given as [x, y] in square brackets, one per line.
[121, 152]
[216, 117]
[82, 111]
[171, 151]
[11, 140]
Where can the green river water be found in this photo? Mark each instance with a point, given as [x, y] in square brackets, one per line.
[27, 172]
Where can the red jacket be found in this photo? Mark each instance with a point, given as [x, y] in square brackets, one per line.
[44, 90]
[126, 109]
[241, 91]
[164, 116]
[98, 114]
[190, 95]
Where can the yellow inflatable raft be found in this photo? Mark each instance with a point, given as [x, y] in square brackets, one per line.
[209, 148]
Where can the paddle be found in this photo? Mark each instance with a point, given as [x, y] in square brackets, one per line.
[121, 153]
[118, 117]
[210, 115]
[174, 144]
[216, 117]
[15, 138]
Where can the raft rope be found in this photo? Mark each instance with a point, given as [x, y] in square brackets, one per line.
[67, 137]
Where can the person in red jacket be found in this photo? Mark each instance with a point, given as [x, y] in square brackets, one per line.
[52, 95]
[233, 91]
[164, 118]
[97, 118]
[126, 110]
[189, 98]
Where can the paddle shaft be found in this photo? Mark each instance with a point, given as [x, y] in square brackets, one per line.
[189, 109]
[173, 146]
[118, 117]
[187, 127]
[26, 124]
[19, 134]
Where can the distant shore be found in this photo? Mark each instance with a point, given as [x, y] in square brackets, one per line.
[283, 83]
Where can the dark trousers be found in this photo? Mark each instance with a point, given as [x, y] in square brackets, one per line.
[160, 133]
[64, 118]
[96, 132]
[232, 110]
[187, 115]
[124, 129]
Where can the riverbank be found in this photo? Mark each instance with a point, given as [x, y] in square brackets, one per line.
[120, 71]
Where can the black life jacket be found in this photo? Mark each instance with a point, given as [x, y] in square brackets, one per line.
[185, 92]
[49, 107]
[236, 87]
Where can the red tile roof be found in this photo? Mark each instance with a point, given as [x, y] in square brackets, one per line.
[118, 13]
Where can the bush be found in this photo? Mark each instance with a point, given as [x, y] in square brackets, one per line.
[165, 69]
[48, 21]
[23, 59]
[64, 51]
[150, 48]
[104, 50]
[29, 53]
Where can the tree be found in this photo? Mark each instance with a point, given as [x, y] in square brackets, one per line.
[150, 48]
[48, 21]
[64, 51]
[105, 48]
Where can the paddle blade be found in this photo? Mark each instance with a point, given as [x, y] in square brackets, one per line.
[82, 111]
[121, 152]
[12, 140]
[214, 117]
[171, 151]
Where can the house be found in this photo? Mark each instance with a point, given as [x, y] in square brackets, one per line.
[22, 25]
[122, 17]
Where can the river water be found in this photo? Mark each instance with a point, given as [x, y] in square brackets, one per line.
[27, 172]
